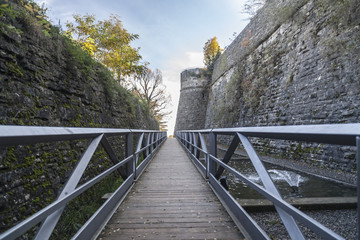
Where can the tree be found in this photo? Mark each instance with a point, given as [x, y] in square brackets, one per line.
[149, 88]
[212, 51]
[109, 42]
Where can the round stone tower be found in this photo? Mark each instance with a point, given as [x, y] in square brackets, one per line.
[193, 100]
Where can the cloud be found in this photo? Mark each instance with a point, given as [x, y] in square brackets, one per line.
[188, 59]
[46, 2]
[171, 78]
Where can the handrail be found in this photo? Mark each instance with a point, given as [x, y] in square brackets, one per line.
[194, 143]
[18, 135]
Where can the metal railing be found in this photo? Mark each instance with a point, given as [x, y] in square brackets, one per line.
[148, 144]
[195, 144]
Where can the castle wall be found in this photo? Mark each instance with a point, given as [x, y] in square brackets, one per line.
[193, 100]
[45, 80]
[294, 64]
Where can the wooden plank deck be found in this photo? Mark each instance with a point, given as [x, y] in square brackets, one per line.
[171, 200]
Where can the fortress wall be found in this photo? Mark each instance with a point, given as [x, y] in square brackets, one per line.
[193, 100]
[295, 63]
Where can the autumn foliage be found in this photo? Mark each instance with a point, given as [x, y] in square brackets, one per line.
[108, 42]
[212, 51]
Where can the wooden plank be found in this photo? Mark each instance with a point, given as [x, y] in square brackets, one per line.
[171, 200]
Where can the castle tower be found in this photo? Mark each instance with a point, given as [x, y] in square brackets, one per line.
[193, 100]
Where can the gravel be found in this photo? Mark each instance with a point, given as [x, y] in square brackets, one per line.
[343, 222]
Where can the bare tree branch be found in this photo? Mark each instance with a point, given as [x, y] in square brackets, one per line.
[148, 86]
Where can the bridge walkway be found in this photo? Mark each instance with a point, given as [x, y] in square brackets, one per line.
[171, 200]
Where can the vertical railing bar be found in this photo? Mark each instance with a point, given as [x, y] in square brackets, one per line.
[108, 149]
[213, 152]
[288, 220]
[203, 143]
[152, 142]
[206, 154]
[195, 144]
[185, 139]
[138, 147]
[198, 144]
[188, 140]
[129, 148]
[190, 143]
[229, 153]
[136, 155]
[47, 227]
[147, 144]
[157, 138]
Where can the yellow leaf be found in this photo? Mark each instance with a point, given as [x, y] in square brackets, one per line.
[29, 8]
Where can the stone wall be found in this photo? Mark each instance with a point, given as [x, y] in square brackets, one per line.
[46, 80]
[193, 100]
[295, 63]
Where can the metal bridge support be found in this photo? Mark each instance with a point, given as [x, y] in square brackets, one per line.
[129, 146]
[196, 143]
[287, 219]
[341, 134]
[234, 143]
[212, 152]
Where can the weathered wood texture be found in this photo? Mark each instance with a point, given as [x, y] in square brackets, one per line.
[171, 201]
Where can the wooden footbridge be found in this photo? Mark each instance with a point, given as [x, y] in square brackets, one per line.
[171, 200]
[172, 197]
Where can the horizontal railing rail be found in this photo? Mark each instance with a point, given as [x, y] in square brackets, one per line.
[194, 143]
[148, 143]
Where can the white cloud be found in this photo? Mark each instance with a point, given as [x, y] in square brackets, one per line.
[46, 2]
[171, 78]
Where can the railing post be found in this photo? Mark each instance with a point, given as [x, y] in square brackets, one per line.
[213, 152]
[358, 181]
[129, 146]
[157, 140]
[147, 151]
[191, 148]
[195, 145]
[152, 142]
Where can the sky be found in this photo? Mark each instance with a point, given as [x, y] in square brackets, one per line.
[172, 33]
